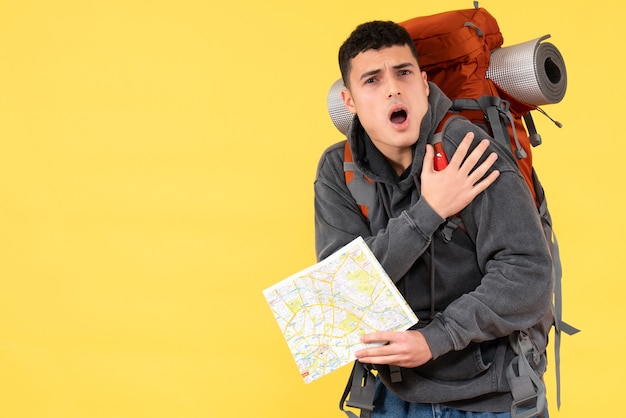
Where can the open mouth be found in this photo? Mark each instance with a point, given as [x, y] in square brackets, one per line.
[398, 116]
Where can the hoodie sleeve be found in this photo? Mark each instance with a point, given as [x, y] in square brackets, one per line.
[338, 221]
[516, 289]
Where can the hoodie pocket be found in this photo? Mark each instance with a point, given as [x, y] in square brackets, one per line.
[459, 365]
[466, 364]
[476, 371]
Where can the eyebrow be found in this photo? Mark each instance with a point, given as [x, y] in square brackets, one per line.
[378, 70]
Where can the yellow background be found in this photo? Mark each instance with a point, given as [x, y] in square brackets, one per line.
[156, 169]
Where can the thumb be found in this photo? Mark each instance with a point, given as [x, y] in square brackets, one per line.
[429, 159]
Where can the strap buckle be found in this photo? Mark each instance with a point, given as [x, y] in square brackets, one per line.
[525, 398]
[527, 389]
[362, 388]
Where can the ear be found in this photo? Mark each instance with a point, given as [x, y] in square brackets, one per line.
[427, 86]
[347, 101]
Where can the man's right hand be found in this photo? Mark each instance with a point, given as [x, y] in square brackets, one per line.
[450, 190]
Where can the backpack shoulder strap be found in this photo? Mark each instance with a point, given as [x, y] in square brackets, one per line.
[441, 162]
[361, 187]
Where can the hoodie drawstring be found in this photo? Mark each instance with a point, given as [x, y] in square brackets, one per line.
[432, 263]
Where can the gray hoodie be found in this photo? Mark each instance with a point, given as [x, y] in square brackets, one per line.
[494, 277]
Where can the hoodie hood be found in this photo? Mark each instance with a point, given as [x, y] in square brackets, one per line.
[375, 166]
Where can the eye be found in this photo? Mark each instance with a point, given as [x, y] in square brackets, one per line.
[404, 72]
[370, 80]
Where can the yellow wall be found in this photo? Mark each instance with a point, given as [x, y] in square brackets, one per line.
[156, 168]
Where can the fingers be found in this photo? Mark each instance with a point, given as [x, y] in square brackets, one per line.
[379, 337]
[461, 151]
[376, 353]
[469, 166]
[405, 349]
[384, 359]
[486, 182]
[482, 169]
[386, 341]
[476, 154]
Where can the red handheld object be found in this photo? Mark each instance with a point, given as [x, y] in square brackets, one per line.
[441, 160]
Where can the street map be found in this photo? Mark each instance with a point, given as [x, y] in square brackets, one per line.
[323, 310]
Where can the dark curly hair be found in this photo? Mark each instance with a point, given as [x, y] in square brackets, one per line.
[371, 35]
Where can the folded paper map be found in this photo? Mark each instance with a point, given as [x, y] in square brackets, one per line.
[323, 310]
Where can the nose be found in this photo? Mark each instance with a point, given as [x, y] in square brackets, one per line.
[393, 89]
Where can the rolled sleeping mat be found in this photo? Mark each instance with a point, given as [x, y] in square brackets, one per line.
[532, 72]
[337, 110]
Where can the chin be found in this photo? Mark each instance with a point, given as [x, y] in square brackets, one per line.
[406, 138]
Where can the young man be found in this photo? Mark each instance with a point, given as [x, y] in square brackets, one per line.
[470, 294]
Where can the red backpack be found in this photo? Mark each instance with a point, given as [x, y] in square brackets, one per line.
[461, 51]
[454, 49]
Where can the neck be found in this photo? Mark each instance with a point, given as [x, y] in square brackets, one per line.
[399, 160]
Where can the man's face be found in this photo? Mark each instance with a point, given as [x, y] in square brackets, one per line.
[389, 93]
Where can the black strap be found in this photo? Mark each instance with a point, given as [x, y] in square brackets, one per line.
[527, 388]
[361, 387]
[498, 114]
[533, 135]
[451, 225]
[559, 324]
